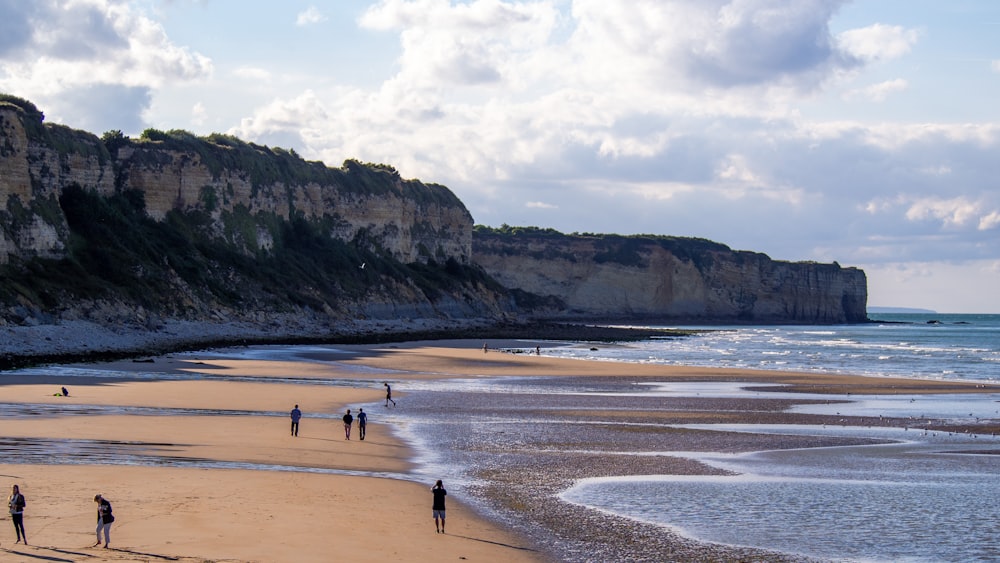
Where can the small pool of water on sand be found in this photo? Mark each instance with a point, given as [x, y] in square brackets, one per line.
[932, 499]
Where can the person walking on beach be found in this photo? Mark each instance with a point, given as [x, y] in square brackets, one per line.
[362, 422]
[348, 420]
[296, 414]
[104, 520]
[438, 506]
[16, 503]
[388, 395]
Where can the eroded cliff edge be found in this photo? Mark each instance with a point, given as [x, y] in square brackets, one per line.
[131, 232]
[666, 278]
[202, 236]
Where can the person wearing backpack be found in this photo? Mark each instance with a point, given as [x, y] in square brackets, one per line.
[16, 503]
[104, 520]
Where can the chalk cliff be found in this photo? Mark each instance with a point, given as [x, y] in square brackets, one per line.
[666, 278]
[243, 187]
[218, 228]
[173, 226]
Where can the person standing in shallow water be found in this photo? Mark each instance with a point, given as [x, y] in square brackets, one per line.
[104, 520]
[362, 423]
[296, 414]
[388, 395]
[16, 503]
[438, 506]
[348, 420]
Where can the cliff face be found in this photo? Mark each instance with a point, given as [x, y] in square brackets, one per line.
[669, 278]
[246, 190]
[31, 176]
[182, 227]
[176, 226]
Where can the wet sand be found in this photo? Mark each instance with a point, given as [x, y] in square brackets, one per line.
[219, 511]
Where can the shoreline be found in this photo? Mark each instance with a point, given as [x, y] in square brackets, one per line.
[84, 341]
[256, 384]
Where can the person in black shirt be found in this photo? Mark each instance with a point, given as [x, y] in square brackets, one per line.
[388, 395]
[438, 506]
[348, 420]
[296, 414]
[16, 503]
[104, 520]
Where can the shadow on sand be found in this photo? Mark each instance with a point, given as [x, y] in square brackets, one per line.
[46, 553]
[501, 544]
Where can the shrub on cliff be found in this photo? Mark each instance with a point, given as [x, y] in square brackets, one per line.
[114, 140]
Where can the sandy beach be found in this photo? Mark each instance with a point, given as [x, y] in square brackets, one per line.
[325, 498]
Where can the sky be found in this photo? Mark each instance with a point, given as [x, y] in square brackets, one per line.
[864, 132]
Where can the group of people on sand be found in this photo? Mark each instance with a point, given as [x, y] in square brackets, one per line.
[349, 421]
[362, 418]
[105, 516]
[16, 504]
[438, 490]
[348, 418]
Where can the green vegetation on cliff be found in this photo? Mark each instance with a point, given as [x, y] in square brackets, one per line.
[118, 254]
[261, 229]
[268, 166]
[626, 250]
[64, 140]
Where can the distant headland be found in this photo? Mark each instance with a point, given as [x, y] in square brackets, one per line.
[901, 310]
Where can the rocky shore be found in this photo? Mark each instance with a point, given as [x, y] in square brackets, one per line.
[78, 340]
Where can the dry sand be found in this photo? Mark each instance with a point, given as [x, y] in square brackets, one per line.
[194, 514]
[181, 514]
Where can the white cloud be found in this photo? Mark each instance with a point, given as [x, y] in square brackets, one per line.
[951, 213]
[689, 45]
[199, 114]
[466, 44]
[995, 65]
[540, 205]
[878, 42]
[736, 168]
[252, 73]
[955, 212]
[599, 93]
[893, 136]
[310, 16]
[989, 221]
[877, 92]
[67, 48]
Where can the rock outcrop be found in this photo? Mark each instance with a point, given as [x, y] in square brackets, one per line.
[246, 189]
[170, 226]
[667, 278]
[224, 230]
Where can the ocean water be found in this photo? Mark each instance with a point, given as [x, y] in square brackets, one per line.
[944, 347]
[927, 497]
